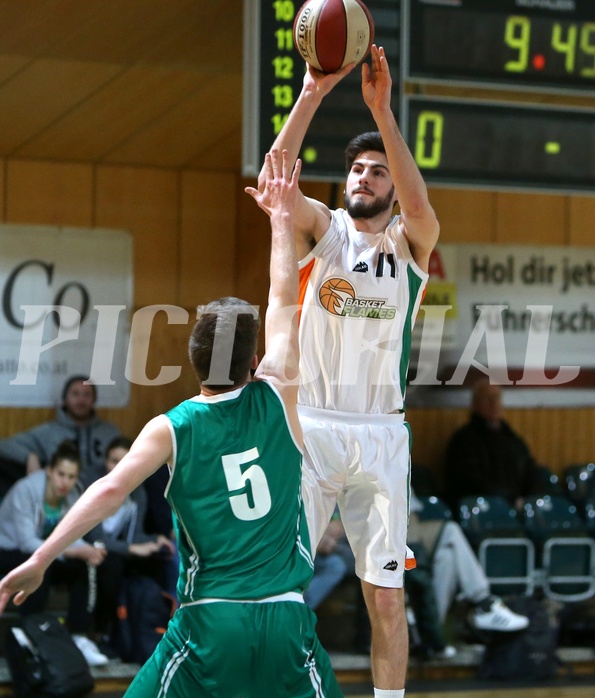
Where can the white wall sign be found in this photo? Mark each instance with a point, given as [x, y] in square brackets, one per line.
[524, 315]
[66, 301]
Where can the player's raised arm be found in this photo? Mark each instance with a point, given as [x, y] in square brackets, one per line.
[417, 215]
[104, 497]
[311, 217]
[279, 198]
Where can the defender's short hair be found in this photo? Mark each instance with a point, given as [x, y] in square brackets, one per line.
[225, 315]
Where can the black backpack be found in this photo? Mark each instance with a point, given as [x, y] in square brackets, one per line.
[44, 661]
[144, 611]
[528, 654]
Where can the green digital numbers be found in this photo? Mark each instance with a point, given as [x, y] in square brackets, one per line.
[517, 35]
[282, 63]
[565, 44]
[587, 46]
[428, 144]
[575, 43]
[278, 121]
[284, 39]
[283, 96]
[284, 10]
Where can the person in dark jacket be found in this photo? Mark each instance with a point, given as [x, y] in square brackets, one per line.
[76, 420]
[486, 456]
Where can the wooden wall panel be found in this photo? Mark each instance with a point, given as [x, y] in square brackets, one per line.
[49, 193]
[3, 165]
[581, 224]
[531, 219]
[197, 235]
[253, 244]
[208, 237]
[465, 216]
[143, 201]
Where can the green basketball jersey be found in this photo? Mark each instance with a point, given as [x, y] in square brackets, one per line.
[235, 491]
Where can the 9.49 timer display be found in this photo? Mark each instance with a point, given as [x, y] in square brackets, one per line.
[541, 44]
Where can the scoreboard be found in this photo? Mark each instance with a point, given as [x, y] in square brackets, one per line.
[517, 44]
[535, 48]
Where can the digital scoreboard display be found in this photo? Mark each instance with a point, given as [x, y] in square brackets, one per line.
[273, 77]
[532, 46]
[523, 44]
[479, 143]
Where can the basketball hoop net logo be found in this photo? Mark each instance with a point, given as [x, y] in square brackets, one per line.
[337, 296]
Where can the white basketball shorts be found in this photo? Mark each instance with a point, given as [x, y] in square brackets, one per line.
[362, 463]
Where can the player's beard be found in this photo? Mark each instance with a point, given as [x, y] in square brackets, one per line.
[369, 209]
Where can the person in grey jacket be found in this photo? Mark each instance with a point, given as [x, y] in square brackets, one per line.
[76, 420]
[29, 512]
[130, 549]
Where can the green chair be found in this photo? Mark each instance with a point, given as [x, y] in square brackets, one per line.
[579, 482]
[566, 551]
[504, 551]
[433, 509]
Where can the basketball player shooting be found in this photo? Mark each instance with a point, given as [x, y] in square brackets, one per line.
[363, 272]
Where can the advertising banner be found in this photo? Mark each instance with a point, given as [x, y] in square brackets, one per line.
[522, 314]
[66, 304]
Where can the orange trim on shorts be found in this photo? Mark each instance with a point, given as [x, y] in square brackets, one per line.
[304, 277]
[410, 563]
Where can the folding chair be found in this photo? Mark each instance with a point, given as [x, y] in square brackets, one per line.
[566, 552]
[433, 509]
[504, 551]
[589, 515]
[579, 481]
[546, 481]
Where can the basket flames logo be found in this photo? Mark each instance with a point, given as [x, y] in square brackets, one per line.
[337, 296]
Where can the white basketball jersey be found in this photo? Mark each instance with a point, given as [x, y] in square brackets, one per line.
[360, 295]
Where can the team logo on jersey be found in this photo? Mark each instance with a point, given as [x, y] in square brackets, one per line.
[391, 566]
[338, 297]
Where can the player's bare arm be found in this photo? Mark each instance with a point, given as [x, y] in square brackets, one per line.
[151, 449]
[311, 218]
[279, 199]
[418, 220]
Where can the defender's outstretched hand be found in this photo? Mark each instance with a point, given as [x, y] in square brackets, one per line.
[280, 186]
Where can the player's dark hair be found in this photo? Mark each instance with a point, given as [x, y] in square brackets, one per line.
[67, 450]
[241, 328]
[371, 140]
[78, 379]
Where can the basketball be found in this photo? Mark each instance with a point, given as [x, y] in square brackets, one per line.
[332, 293]
[329, 34]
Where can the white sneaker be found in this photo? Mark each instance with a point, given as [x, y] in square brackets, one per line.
[498, 617]
[447, 652]
[90, 651]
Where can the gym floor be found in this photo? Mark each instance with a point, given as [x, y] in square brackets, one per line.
[569, 687]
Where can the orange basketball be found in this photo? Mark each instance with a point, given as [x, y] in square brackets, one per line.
[330, 294]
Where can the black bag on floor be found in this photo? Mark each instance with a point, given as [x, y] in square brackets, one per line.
[527, 654]
[144, 611]
[44, 661]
